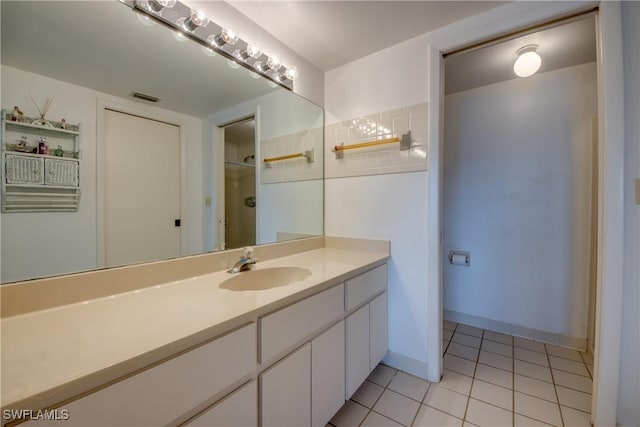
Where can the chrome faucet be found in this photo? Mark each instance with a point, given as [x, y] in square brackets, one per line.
[245, 261]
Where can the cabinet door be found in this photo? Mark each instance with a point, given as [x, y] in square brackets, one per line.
[61, 172]
[239, 409]
[24, 169]
[327, 375]
[286, 391]
[357, 349]
[378, 329]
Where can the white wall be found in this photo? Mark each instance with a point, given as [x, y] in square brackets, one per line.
[629, 387]
[43, 244]
[517, 195]
[392, 78]
[393, 206]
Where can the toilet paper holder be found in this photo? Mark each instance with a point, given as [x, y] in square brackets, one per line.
[460, 258]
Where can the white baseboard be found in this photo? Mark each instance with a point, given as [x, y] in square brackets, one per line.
[407, 364]
[577, 343]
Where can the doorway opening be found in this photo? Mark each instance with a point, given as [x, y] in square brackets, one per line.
[519, 216]
[240, 184]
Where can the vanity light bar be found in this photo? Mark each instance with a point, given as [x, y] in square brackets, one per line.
[194, 25]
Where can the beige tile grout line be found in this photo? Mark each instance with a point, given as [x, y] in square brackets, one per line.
[475, 368]
[374, 403]
[555, 389]
[587, 368]
[513, 381]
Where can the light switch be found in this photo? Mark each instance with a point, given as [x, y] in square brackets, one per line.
[637, 191]
[207, 202]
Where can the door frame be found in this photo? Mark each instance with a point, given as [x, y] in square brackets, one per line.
[215, 158]
[610, 187]
[137, 110]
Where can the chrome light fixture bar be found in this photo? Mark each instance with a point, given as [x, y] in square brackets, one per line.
[196, 26]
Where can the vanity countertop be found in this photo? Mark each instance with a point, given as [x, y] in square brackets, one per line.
[54, 354]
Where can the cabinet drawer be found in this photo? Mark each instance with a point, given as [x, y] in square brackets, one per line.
[165, 392]
[239, 409]
[363, 287]
[284, 328]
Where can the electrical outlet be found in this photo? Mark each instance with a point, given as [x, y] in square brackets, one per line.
[637, 191]
[207, 202]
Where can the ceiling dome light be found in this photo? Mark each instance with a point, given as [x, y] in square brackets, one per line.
[528, 62]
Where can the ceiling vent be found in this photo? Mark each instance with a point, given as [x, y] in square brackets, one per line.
[144, 97]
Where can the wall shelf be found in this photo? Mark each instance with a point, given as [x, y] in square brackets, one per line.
[34, 182]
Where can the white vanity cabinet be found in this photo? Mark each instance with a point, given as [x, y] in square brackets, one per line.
[366, 327]
[306, 387]
[165, 392]
[294, 366]
[340, 359]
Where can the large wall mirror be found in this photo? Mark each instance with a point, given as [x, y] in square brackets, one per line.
[181, 176]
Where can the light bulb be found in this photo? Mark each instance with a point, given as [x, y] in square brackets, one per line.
[291, 73]
[254, 75]
[233, 64]
[158, 5]
[528, 62]
[273, 63]
[226, 36]
[251, 51]
[194, 20]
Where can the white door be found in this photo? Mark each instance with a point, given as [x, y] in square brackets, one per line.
[142, 189]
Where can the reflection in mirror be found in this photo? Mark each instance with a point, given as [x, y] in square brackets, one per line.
[89, 58]
[239, 184]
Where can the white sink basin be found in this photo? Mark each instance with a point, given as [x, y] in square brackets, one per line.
[267, 278]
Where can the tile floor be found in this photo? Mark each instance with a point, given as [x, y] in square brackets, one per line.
[490, 379]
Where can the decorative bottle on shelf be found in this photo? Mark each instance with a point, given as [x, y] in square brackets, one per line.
[59, 152]
[43, 148]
